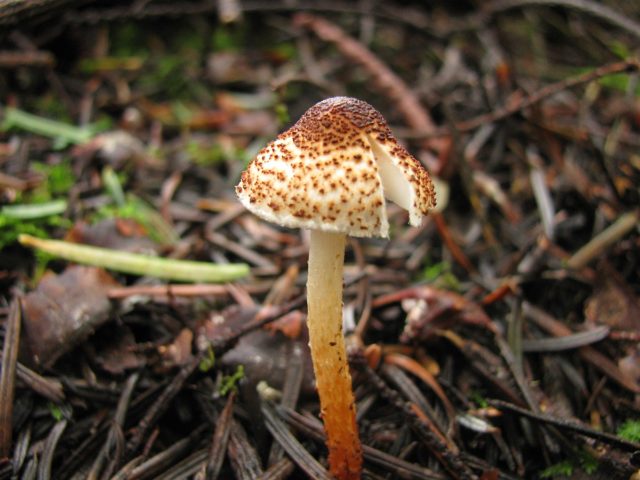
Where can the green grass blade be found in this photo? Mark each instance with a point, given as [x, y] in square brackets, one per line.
[14, 118]
[137, 264]
[34, 210]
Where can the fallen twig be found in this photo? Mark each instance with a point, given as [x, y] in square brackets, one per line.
[179, 290]
[219, 442]
[604, 239]
[8, 376]
[566, 425]
[26, 59]
[519, 102]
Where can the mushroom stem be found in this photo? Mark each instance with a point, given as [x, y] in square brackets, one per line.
[328, 352]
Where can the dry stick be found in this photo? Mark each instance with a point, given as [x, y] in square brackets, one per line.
[220, 440]
[625, 336]
[179, 290]
[10, 59]
[8, 181]
[447, 238]
[521, 103]
[168, 189]
[8, 376]
[604, 239]
[566, 425]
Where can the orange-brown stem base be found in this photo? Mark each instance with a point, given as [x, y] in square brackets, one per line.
[333, 380]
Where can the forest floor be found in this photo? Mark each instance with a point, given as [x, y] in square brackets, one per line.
[498, 340]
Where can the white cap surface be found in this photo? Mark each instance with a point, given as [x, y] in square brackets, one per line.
[332, 170]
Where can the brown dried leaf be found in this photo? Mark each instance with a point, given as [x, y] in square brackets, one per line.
[64, 310]
[613, 303]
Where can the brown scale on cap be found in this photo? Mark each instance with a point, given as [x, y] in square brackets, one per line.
[327, 172]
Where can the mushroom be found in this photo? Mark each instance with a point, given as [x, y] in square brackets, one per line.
[330, 173]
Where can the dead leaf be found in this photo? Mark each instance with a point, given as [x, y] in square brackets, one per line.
[64, 310]
[613, 303]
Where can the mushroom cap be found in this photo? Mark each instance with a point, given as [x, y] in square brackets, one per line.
[332, 170]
